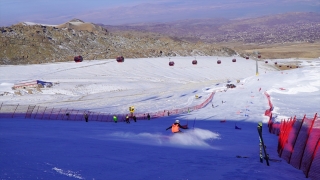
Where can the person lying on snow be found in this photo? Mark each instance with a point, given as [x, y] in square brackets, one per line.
[175, 128]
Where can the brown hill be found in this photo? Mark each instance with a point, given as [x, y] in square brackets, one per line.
[29, 44]
[80, 25]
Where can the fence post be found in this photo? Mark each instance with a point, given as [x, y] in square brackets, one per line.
[98, 116]
[1, 106]
[107, 117]
[58, 113]
[65, 114]
[25, 116]
[51, 113]
[43, 112]
[313, 155]
[14, 111]
[36, 112]
[294, 142]
[304, 148]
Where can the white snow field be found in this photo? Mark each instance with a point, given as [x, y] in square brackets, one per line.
[60, 149]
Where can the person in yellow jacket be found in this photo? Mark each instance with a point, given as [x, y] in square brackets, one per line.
[175, 127]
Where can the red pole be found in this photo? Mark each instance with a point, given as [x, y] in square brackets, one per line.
[315, 116]
[15, 111]
[279, 138]
[295, 140]
[313, 155]
[285, 135]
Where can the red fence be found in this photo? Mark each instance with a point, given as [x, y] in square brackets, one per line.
[39, 112]
[298, 142]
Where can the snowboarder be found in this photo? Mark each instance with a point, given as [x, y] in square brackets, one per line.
[127, 119]
[175, 127]
[134, 118]
[67, 114]
[115, 119]
[148, 116]
[86, 117]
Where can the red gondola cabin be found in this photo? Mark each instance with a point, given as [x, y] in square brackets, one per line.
[259, 56]
[120, 59]
[194, 62]
[234, 60]
[171, 63]
[218, 62]
[247, 57]
[266, 62]
[78, 59]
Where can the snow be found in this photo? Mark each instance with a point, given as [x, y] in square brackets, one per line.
[47, 149]
[33, 23]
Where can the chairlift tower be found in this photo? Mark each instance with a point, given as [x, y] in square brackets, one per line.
[257, 68]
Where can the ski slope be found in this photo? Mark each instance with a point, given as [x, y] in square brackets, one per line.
[43, 149]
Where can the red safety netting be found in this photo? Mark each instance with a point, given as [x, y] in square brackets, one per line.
[40, 112]
[298, 141]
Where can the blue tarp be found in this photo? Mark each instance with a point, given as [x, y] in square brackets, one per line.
[44, 84]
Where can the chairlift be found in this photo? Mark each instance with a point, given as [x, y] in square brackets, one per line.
[171, 63]
[78, 59]
[120, 59]
[194, 62]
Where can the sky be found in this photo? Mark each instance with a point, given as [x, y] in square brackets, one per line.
[140, 11]
[61, 149]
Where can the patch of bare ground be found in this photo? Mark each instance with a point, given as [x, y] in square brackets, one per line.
[280, 51]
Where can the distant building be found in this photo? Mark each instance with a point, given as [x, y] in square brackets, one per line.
[32, 84]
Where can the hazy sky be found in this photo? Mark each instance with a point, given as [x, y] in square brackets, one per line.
[114, 12]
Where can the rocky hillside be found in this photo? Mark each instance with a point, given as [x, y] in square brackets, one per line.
[27, 43]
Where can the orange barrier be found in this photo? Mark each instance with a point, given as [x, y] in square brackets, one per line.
[39, 112]
[298, 141]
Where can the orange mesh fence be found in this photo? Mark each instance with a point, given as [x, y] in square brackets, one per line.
[39, 112]
[298, 141]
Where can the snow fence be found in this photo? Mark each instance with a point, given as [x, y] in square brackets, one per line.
[298, 141]
[48, 113]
